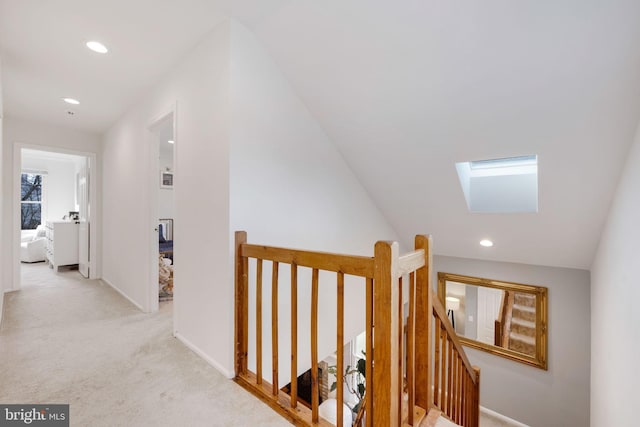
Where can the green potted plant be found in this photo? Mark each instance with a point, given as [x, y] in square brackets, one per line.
[354, 380]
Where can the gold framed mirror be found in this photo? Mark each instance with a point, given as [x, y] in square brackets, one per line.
[503, 318]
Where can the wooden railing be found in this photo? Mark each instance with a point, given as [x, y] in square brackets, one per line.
[456, 383]
[409, 370]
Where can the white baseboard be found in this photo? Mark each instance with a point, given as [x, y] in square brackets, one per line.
[122, 293]
[2, 294]
[509, 421]
[205, 356]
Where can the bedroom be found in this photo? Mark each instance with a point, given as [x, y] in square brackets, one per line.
[53, 202]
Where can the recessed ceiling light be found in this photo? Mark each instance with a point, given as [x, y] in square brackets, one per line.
[170, 141]
[486, 243]
[97, 47]
[71, 101]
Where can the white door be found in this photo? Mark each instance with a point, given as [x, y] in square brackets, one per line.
[83, 202]
[489, 301]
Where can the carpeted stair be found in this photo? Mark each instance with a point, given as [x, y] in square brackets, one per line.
[522, 334]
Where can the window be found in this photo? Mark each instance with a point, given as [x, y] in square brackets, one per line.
[31, 197]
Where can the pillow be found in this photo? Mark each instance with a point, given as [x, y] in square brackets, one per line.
[40, 232]
[161, 233]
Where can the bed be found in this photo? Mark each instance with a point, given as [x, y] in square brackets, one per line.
[165, 263]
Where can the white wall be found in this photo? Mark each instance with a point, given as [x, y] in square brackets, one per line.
[35, 135]
[198, 88]
[288, 185]
[615, 318]
[291, 187]
[558, 397]
[60, 184]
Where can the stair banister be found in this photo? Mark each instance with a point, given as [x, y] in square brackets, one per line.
[400, 356]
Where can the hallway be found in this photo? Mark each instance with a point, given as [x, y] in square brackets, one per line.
[65, 339]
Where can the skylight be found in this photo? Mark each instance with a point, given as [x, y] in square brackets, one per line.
[504, 185]
[508, 162]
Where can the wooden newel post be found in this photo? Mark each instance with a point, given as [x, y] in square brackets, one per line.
[386, 318]
[424, 322]
[242, 305]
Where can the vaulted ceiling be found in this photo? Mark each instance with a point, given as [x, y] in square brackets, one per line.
[404, 89]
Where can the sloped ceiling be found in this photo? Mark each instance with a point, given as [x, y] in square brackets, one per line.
[404, 89]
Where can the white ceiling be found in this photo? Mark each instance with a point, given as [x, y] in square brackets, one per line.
[405, 89]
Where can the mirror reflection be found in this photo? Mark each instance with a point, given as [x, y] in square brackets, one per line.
[507, 319]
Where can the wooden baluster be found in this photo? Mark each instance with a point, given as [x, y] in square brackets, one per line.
[294, 335]
[369, 351]
[454, 372]
[411, 330]
[340, 347]
[274, 329]
[470, 400]
[456, 388]
[476, 401]
[465, 384]
[468, 397]
[461, 413]
[436, 365]
[314, 346]
[259, 321]
[460, 393]
[449, 376]
[242, 305]
[385, 313]
[401, 353]
[424, 322]
[463, 418]
[459, 389]
[443, 363]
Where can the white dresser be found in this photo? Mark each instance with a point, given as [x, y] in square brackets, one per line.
[62, 243]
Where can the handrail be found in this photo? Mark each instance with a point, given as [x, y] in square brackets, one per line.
[410, 262]
[348, 264]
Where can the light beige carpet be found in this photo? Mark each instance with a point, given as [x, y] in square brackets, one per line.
[65, 339]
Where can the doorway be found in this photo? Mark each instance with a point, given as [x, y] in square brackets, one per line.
[53, 223]
[163, 147]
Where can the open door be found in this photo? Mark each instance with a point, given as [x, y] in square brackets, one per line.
[83, 204]
[489, 301]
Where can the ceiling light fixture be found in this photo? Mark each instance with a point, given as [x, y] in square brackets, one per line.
[170, 141]
[486, 243]
[71, 101]
[97, 47]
